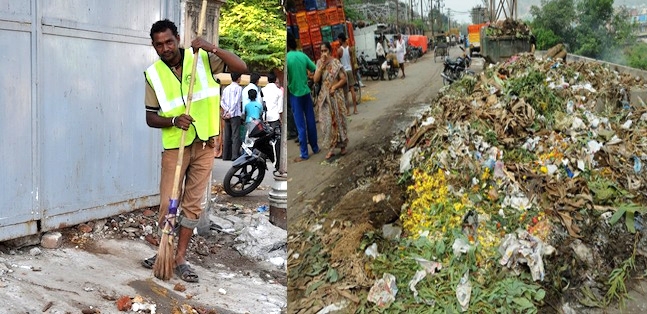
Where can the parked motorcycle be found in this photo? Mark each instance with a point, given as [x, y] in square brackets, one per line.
[413, 53]
[248, 170]
[456, 69]
[368, 68]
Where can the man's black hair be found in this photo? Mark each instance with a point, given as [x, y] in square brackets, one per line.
[271, 78]
[235, 76]
[252, 94]
[342, 36]
[254, 77]
[162, 26]
[292, 42]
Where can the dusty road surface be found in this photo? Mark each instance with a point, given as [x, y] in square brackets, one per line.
[99, 263]
[337, 207]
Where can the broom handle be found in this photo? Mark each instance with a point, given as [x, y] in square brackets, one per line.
[178, 166]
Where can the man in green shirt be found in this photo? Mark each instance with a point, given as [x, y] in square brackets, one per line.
[298, 64]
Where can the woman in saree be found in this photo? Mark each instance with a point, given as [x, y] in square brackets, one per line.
[331, 103]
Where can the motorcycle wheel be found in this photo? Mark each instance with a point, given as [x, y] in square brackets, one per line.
[242, 180]
[375, 77]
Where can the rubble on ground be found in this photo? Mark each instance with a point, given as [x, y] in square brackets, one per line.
[534, 170]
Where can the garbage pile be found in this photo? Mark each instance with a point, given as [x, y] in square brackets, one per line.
[526, 184]
[508, 27]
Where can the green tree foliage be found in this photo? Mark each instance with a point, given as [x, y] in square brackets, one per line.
[254, 30]
[636, 56]
[591, 28]
[552, 22]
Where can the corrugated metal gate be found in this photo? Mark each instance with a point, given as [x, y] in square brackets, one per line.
[74, 144]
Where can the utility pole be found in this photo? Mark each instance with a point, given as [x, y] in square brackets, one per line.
[449, 19]
[422, 14]
[397, 15]
[440, 16]
[433, 20]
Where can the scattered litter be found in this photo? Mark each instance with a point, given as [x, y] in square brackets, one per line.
[333, 308]
[391, 232]
[371, 251]
[464, 291]
[524, 248]
[152, 308]
[263, 208]
[460, 246]
[222, 291]
[379, 197]
[405, 160]
[383, 291]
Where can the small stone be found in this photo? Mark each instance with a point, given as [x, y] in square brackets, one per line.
[148, 213]
[124, 303]
[85, 228]
[222, 291]
[179, 287]
[35, 251]
[51, 240]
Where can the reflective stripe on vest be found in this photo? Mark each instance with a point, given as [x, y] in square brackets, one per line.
[170, 92]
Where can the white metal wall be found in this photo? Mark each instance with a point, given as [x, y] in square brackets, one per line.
[74, 144]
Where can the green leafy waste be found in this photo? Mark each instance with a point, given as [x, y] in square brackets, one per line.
[493, 291]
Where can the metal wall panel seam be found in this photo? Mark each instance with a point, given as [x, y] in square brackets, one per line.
[72, 33]
[64, 23]
[36, 37]
[15, 26]
[19, 18]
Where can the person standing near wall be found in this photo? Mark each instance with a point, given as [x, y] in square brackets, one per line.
[274, 103]
[253, 84]
[167, 82]
[231, 111]
[298, 65]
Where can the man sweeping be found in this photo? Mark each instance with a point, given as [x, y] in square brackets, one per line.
[166, 88]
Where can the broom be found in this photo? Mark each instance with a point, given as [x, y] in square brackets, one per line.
[163, 268]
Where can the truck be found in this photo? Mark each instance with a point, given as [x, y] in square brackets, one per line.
[474, 37]
[504, 39]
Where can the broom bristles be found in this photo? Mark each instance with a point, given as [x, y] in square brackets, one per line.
[163, 268]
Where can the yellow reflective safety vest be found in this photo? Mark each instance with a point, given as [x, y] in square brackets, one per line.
[172, 97]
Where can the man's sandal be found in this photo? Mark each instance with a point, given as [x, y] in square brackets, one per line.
[149, 262]
[186, 273]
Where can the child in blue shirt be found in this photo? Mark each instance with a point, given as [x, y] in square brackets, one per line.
[253, 109]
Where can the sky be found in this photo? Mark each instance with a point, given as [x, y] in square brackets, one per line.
[460, 9]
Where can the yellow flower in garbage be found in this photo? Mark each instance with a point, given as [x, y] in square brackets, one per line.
[486, 174]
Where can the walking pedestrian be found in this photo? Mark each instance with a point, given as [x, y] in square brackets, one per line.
[231, 110]
[381, 55]
[298, 65]
[166, 82]
[274, 103]
[330, 72]
[400, 48]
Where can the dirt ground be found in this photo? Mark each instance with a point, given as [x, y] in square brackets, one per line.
[333, 205]
[99, 262]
